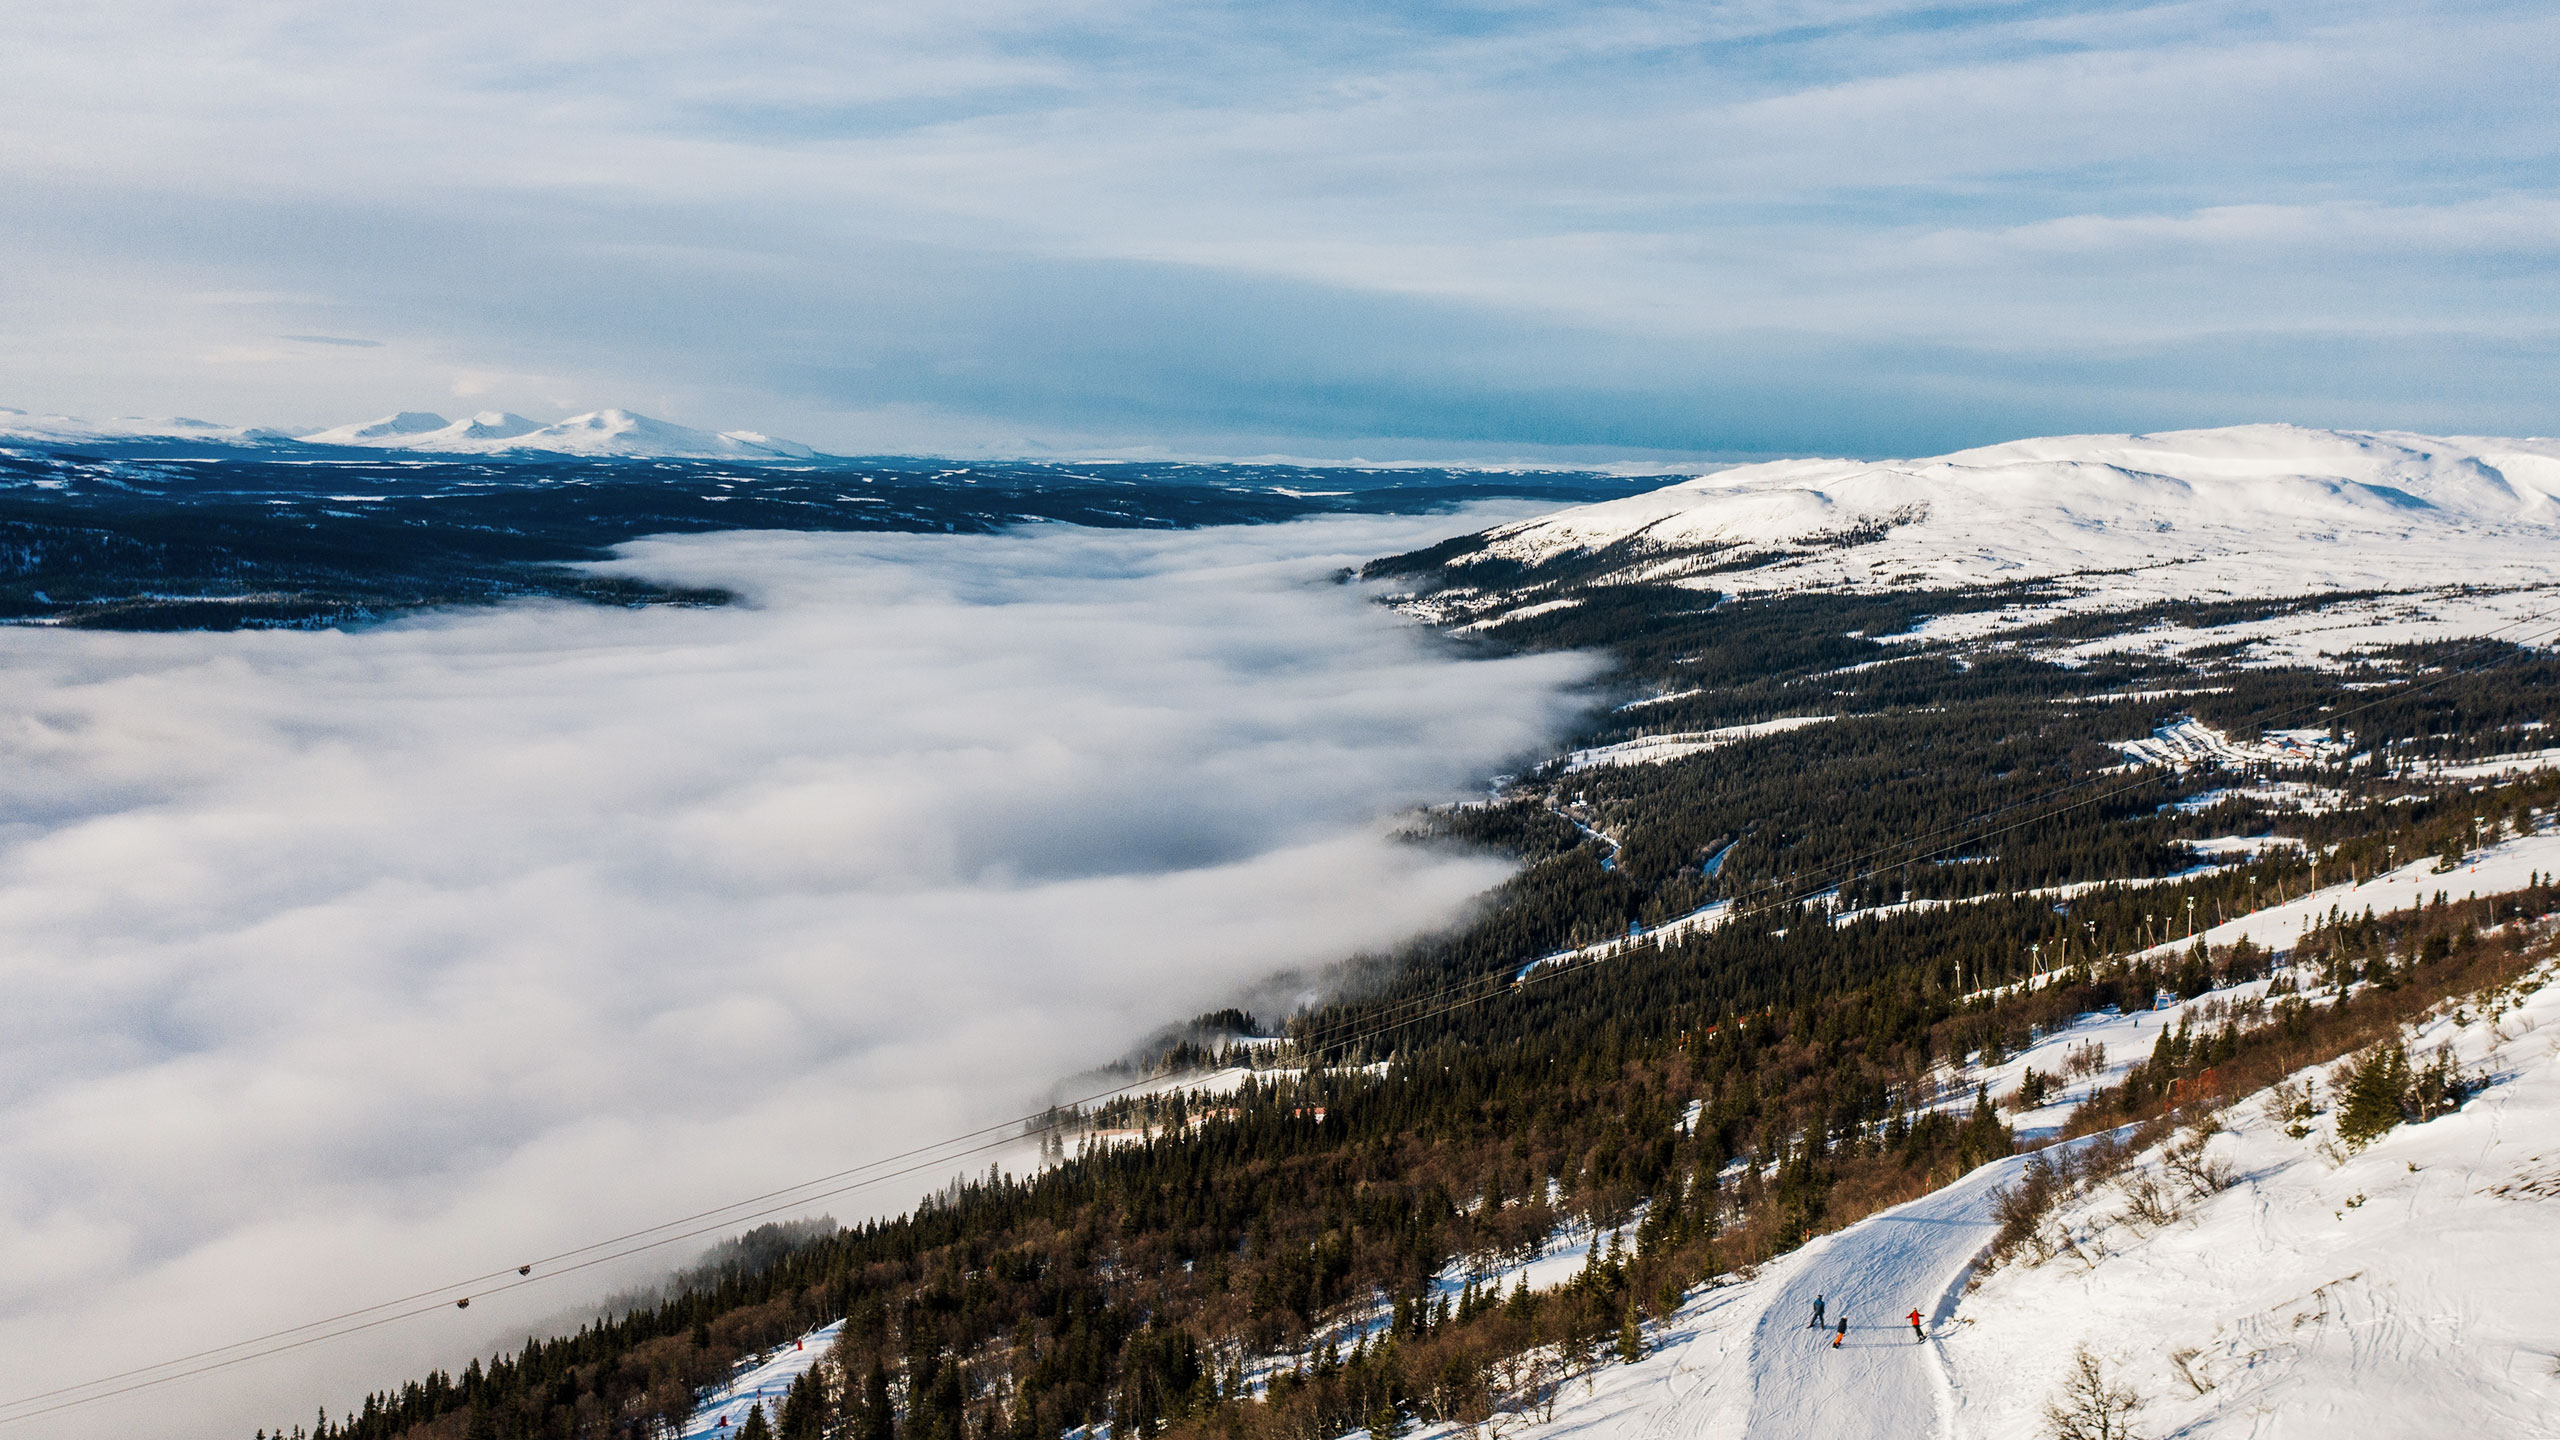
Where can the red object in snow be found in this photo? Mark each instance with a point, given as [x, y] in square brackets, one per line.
[796, 1345]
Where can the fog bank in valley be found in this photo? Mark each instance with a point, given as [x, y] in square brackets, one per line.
[339, 965]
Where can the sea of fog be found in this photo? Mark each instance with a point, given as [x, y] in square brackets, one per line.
[338, 965]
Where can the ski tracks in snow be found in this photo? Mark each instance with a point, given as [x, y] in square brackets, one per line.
[1770, 1376]
[1878, 1381]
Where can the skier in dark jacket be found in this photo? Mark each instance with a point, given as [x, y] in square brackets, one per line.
[1916, 1337]
[1843, 1332]
[1816, 1322]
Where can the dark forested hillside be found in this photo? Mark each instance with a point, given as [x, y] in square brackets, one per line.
[218, 544]
[1724, 991]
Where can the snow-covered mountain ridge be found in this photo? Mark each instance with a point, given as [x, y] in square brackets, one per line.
[599, 432]
[2408, 536]
[610, 433]
[2068, 505]
[2250, 509]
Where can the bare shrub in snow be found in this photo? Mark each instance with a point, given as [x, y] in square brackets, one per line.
[2200, 1174]
[2294, 1103]
[2441, 1088]
[2101, 1159]
[1530, 1381]
[2090, 1406]
[2021, 1209]
[2084, 1060]
[2051, 1238]
[2148, 1204]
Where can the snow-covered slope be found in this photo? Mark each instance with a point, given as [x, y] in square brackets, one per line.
[599, 432]
[2409, 1290]
[2402, 538]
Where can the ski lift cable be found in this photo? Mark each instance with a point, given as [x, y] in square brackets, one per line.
[727, 1219]
[1006, 1132]
[1459, 995]
[76, 1400]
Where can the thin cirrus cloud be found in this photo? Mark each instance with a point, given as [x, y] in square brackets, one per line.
[1883, 225]
[340, 965]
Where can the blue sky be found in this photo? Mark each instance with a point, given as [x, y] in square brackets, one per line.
[1425, 230]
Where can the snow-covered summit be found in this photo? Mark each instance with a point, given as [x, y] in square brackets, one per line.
[598, 432]
[20, 426]
[2068, 505]
[399, 429]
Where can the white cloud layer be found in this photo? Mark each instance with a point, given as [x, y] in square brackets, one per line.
[339, 965]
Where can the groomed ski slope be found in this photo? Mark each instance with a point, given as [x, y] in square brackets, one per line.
[763, 1381]
[1739, 1360]
[1879, 1380]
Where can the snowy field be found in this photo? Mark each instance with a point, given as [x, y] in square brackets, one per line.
[1661, 749]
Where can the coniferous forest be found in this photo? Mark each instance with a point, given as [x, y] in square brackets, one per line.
[1960, 819]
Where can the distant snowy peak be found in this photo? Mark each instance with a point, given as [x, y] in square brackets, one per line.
[18, 425]
[401, 429]
[599, 432]
[2069, 505]
[619, 432]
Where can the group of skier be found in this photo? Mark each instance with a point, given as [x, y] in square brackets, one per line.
[1841, 1331]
